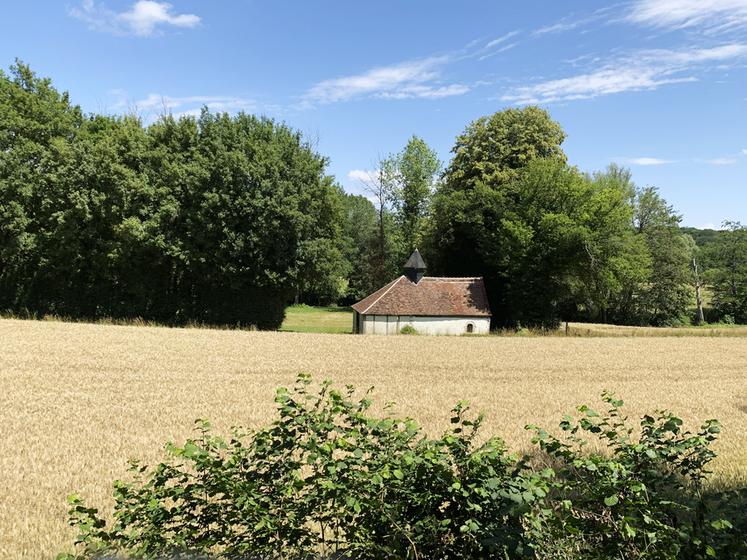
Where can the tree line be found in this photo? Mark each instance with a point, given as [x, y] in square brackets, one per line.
[227, 219]
[213, 219]
[553, 243]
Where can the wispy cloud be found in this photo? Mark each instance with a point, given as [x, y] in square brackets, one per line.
[711, 15]
[504, 48]
[586, 86]
[502, 39]
[721, 161]
[744, 152]
[155, 105]
[482, 50]
[569, 23]
[646, 161]
[144, 18]
[565, 24]
[643, 70]
[426, 92]
[411, 79]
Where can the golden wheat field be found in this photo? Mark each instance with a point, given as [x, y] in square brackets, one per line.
[78, 400]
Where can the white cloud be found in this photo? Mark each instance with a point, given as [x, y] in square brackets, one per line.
[647, 161]
[426, 92]
[142, 19]
[363, 175]
[362, 182]
[559, 27]
[504, 48]
[489, 49]
[721, 161]
[155, 104]
[412, 79]
[710, 15]
[571, 22]
[146, 15]
[644, 70]
[98, 18]
[501, 39]
[694, 56]
[744, 152]
[586, 86]
[216, 103]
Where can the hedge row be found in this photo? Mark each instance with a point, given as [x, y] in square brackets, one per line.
[327, 479]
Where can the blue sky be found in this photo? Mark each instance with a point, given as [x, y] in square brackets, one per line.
[656, 85]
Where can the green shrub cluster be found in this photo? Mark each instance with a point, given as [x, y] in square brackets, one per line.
[327, 479]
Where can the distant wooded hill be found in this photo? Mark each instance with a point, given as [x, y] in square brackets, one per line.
[703, 237]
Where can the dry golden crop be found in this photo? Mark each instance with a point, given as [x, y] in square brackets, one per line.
[78, 400]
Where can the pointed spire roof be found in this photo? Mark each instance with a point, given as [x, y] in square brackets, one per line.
[415, 261]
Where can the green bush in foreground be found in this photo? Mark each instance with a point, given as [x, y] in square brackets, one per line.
[328, 480]
[644, 499]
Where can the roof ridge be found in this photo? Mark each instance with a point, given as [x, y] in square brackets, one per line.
[452, 278]
[383, 294]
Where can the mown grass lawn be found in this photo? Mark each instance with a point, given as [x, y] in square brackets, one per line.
[304, 318]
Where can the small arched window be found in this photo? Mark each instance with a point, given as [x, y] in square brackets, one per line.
[470, 328]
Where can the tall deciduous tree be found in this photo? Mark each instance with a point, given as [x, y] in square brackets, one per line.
[728, 272]
[492, 150]
[360, 234]
[667, 293]
[417, 165]
[478, 223]
[652, 280]
[37, 124]
[381, 185]
[618, 259]
[546, 242]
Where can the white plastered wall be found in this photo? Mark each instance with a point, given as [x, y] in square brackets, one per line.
[393, 324]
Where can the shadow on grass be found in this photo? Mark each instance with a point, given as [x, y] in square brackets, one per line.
[338, 309]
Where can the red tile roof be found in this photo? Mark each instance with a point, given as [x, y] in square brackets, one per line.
[432, 297]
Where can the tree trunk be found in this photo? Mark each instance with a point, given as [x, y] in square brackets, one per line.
[699, 319]
[381, 265]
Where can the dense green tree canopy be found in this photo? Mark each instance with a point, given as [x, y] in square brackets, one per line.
[651, 279]
[668, 290]
[727, 273]
[493, 149]
[213, 219]
[546, 242]
[360, 232]
[551, 242]
[487, 219]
